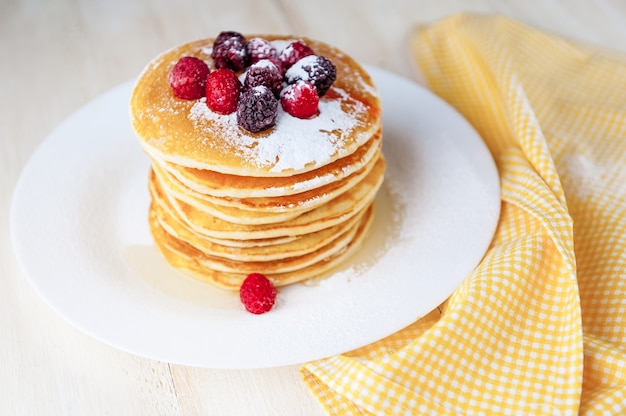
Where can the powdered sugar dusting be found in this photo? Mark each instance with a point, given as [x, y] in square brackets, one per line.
[297, 71]
[293, 143]
[280, 44]
[265, 63]
[365, 85]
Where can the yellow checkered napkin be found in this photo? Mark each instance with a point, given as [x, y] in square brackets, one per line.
[540, 326]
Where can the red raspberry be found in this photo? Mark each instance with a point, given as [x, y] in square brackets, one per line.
[229, 51]
[188, 78]
[259, 48]
[265, 73]
[222, 91]
[294, 52]
[257, 293]
[300, 99]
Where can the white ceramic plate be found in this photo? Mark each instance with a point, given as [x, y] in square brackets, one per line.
[79, 228]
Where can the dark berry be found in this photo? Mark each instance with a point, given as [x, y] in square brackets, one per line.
[293, 52]
[313, 68]
[259, 48]
[300, 99]
[229, 51]
[265, 73]
[222, 91]
[257, 109]
[188, 78]
[277, 62]
[257, 293]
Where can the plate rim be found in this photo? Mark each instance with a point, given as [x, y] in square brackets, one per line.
[376, 73]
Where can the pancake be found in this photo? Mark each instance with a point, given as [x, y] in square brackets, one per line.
[258, 242]
[260, 210]
[290, 202]
[173, 187]
[281, 264]
[337, 210]
[192, 262]
[187, 133]
[235, 186]
[257, 250]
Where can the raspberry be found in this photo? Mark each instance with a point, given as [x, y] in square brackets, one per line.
[293, 52]
[257, 109]
[259, 48]
[257, 293]
[188, 78]
[265, 73]
[229, 51]
[300, 99]
[313, 68]
[222, 91]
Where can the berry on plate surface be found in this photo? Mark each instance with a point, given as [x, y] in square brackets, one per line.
[257, 293]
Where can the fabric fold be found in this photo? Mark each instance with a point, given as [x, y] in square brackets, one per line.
[540, 326]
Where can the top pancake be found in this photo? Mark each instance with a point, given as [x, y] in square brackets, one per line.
[234, 186]
[187, 133]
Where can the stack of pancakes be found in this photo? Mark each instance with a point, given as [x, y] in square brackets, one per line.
[291, 202]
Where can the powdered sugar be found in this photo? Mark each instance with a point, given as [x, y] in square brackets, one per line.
[297, 71]
[265, 63]
[293, 143]
[260, 48]
[280, 44]
[365, 85]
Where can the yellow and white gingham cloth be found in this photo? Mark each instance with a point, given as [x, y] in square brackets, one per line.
[540, 326]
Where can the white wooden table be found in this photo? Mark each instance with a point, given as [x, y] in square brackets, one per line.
[59, 54]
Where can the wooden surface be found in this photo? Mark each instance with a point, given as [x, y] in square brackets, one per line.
[59, 54]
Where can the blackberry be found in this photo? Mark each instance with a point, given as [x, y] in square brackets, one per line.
[257, 109]
[315, 69]
[265, 73]
[259, 48]
[230, 51]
